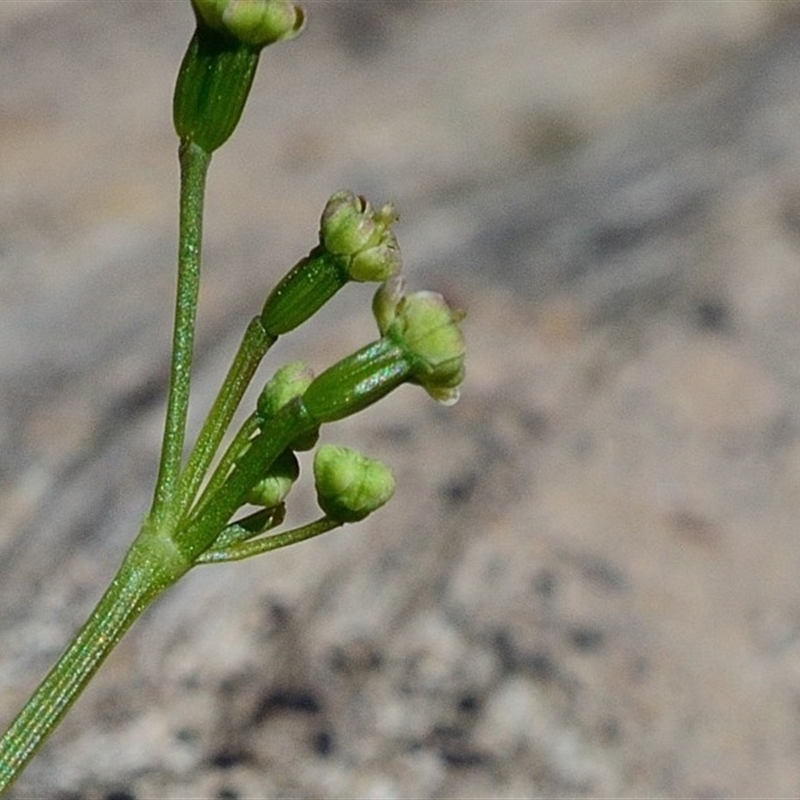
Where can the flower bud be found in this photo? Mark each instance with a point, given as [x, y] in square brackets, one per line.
[355, 244]
[289, 382]
[272, 489]
[220, 63]
[350, 227]
[422, 343]
[349, 485]
[253, 22]
[430, 331]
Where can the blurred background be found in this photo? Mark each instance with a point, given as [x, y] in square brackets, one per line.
[587, 584]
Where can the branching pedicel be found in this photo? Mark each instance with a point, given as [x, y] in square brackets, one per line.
[213, 507]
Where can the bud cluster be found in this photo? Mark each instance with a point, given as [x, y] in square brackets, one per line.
[198, 497]
[420, 338]
[420, 342]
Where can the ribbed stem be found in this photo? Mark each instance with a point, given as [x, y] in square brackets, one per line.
[202, 529]
[254, 547]
[194, 163]
[152, 564]
[252, 350]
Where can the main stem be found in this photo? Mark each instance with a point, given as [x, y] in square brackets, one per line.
[151, 565]
[194, 163]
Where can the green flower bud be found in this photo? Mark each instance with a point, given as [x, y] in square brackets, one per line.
[355, 244]
[289, 381]
[253, 22]
[422, 343]
[430, 330]
[220, 63]
[357, 381]
[272, 489]
[350, 227]
[349, 485]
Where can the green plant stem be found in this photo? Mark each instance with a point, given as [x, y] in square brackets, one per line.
[254, 346]
[151, 565]
[255, 524]
[221, 472]
[202, 529]
[254, 547]
[194, 162]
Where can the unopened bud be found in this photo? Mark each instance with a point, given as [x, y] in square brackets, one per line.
[272, 489]
[351, 227]
[422, 343]
[356, 244]
[430, 330]
[220, 63]
[288, 383]
[349, 485]
[253, 22]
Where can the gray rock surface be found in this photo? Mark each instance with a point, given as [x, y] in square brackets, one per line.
[587, 585]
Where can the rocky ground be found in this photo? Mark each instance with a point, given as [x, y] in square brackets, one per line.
[587, 585]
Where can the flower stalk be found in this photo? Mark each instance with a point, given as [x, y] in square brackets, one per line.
[194, 163]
